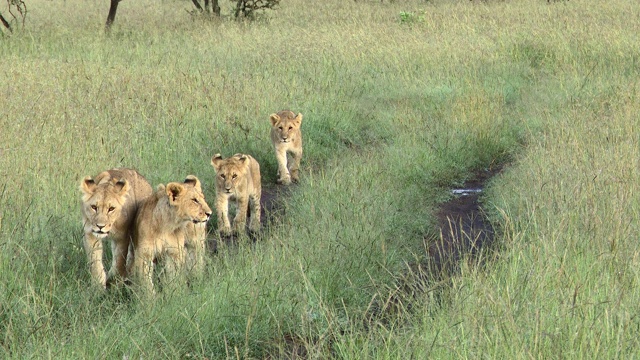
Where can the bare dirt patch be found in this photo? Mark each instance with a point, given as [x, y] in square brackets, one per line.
[463, 225]
[271, 207]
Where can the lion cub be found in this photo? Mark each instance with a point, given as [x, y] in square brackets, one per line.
[110, 201]
[238, 180]
[163, 228]
[287, 138]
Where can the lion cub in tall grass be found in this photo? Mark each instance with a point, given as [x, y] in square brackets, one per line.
[110, 202]
[237, 180]
[287, 139]
[165, 227]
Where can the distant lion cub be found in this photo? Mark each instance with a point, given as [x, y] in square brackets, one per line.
[287, 138]
[238, 180]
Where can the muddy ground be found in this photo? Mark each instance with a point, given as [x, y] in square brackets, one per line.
[463, 226]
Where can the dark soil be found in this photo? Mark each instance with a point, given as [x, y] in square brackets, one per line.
[463, 225]
[271, 208]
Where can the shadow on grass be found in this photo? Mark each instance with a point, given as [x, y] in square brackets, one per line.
[271, 208]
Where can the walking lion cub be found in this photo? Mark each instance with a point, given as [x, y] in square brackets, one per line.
[110, 202]
[165, 229]
[287, 139]
[238, 180]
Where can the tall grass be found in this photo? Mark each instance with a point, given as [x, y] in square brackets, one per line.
[397, 109]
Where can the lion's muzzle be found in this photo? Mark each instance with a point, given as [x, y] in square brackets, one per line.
[100, 233]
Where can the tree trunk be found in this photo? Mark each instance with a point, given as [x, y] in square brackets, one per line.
[5, 23]
[216, 7]
[197, 4]
[239, 8]
[112, 13]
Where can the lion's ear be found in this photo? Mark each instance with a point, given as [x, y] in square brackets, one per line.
[173, 191]
[275, 118]
[215, 161]
[298, 119]
[243, 158]
[88, 186]
[193, 181]
[122, 187]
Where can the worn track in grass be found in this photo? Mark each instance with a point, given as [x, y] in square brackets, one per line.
[463, 226]
[271, 207]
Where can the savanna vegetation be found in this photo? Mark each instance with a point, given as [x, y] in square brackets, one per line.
[402, 101]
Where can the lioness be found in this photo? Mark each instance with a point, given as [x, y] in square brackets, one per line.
[163, 228]
[287, 138]
[110, 201]
[238, 180]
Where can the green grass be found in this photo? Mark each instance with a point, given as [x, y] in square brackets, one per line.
[401, 102]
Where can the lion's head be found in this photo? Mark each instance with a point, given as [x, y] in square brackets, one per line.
[285, 126]
[230, 173]
[188, 199]
[102, 203]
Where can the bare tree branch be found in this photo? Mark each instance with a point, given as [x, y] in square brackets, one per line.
[197, 4]
[5, 23]
[22, 10]
[247, 8]
[112, 13]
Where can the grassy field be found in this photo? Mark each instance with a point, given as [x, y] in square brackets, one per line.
[402, 101]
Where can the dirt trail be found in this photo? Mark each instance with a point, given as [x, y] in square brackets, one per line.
[463, 225]
[271, 206]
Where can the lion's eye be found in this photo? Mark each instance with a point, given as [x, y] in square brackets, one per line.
[234, 176]
[94, 208]
[195, 201]
[222, 176]
[290, 127]
[111, 208]
[280, 127]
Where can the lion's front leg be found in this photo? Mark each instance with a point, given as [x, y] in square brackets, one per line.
[296, 157]
[174, 259]
[283, 173]
[222, 209]
[143, 269]
[254, 223]
[120, 251]
[240, 221]
[93, 249]
[195, 247]
[131, 255]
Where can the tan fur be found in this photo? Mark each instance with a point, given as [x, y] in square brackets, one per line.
[110, 202]
[195, 238]
[163, 229]
[286, 138]
[237, 180]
